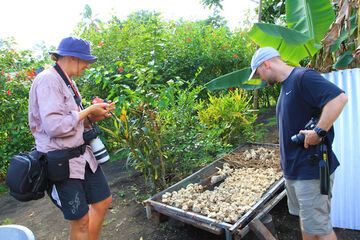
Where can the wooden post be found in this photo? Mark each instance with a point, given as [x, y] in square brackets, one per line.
[159, 218]
[267, 220]
[256, 91]
[261, 232]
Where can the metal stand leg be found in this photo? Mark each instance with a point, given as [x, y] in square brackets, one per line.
[228, 234]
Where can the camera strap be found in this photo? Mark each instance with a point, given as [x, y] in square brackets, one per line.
[324, 169]
[71, 87]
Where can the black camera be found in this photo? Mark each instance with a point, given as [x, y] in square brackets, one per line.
[299, 138]
[91, 134]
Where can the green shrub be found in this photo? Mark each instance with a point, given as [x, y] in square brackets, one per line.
[15, 134]
[146, 42]
[17, 70]
[231, 115]
[163, 134]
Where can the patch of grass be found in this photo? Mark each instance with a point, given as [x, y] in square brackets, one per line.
[270, 122]
[3, 188]
[260, 132]
[121, 193]
[143, 197]
[6, 221]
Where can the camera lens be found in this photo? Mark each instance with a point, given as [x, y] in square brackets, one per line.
[298, 138]
[99, 150]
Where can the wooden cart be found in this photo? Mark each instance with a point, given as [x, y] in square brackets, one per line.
[155, 208]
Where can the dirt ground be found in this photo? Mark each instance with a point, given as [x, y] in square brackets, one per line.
[127, 220]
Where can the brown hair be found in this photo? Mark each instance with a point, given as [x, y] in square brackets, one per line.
[55, 57]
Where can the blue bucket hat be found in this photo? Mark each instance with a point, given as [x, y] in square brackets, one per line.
[261, 55]
[75, 47]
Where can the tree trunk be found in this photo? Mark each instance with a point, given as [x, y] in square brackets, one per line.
[256, 91]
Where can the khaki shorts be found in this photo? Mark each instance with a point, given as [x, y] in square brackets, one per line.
[305, 201]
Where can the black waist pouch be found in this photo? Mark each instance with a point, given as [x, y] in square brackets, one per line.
[58, 162]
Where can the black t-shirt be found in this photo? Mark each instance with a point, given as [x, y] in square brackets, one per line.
[303, 95]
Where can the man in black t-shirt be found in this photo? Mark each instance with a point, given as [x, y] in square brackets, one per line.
[305, 94]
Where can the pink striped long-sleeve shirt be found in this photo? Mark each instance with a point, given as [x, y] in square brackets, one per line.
[54, 120]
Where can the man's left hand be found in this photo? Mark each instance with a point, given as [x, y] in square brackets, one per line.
[311, 138]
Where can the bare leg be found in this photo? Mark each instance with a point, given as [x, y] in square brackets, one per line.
[330, 236]
[306, 236]
[97, 214]
[79, 229]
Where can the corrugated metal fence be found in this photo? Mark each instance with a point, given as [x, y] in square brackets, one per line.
[346, 191]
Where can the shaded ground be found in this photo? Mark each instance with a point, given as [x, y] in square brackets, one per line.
[127, 219]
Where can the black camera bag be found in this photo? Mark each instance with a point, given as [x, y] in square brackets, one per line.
[58, 162]
[26, 176]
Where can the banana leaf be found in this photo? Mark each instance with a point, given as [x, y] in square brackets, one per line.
[310, 17]
[345, 34]
[344, 60]
[292, 45]
[237, 78]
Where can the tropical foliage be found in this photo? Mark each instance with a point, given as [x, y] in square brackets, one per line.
[155, 70]
[301, 37]
[17, 69]
[340, 45]
[166, 124]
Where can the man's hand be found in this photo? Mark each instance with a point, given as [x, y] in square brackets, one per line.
[311, 138]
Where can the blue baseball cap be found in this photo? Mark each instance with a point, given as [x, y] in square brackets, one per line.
[75, 47]
[260, 56]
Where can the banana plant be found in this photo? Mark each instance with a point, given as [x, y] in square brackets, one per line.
[341, 41]
[307, 21]
[292, 44]
[235, 79]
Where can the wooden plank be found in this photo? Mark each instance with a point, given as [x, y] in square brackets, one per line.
[159, 217]
[260, 230]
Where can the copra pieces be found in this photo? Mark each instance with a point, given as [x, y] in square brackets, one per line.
[230, 200]
[260, 153]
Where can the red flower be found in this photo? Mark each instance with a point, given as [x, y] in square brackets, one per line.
[2, 72]
[120, 69]
[97, 100]
[8, 92]
[31, 73]
[188, 40]
[235, 56]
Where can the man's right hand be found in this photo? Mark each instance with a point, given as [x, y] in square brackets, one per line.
[311, 138]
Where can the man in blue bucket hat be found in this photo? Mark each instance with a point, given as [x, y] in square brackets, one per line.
[77, 185]
[304, 95]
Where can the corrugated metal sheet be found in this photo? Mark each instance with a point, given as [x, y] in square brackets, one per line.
[346, 193]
